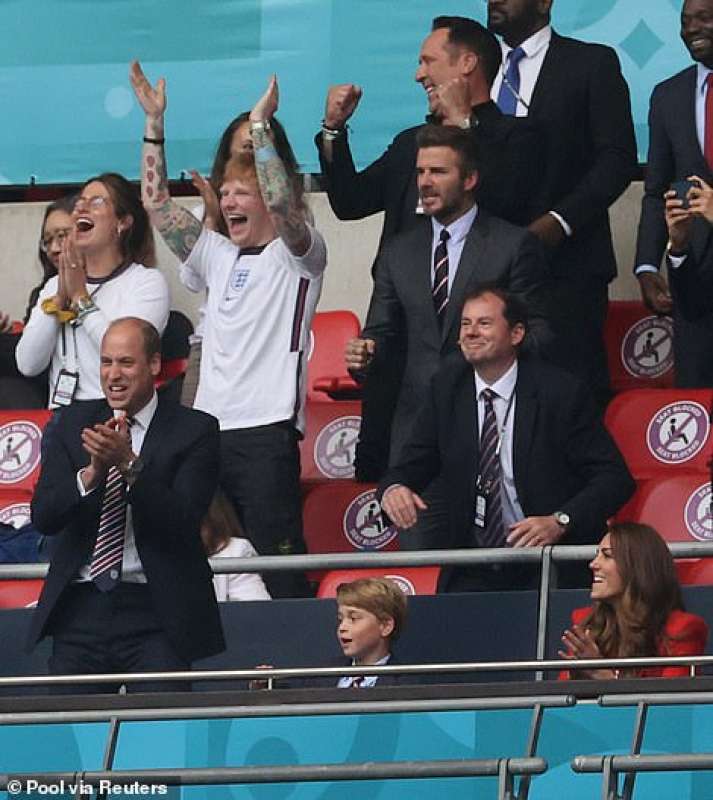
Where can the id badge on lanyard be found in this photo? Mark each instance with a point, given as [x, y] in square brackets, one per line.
[68, 380]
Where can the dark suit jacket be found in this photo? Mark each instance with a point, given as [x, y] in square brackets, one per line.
[331, 683]
[581, 106]
[401, 305]
[674, 154]
[563, 458]
[509, 174]
[168, 502]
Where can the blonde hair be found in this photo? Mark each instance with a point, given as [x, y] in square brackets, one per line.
[379, 596]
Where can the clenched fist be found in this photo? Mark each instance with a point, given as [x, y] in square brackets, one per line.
[342, 101]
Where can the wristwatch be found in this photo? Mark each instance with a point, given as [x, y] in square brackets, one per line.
[260, 125]
[562, 518]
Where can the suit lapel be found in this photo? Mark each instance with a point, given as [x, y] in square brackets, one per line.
[550, 75]
[418, 273]
[526, 407]
[159, 430]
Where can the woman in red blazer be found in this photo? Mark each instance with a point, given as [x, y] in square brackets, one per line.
[637, 610]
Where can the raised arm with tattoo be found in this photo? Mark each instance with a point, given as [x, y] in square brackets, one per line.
[178, 227]
[275, 185]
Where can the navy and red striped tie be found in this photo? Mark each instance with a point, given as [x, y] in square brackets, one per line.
[440, 277]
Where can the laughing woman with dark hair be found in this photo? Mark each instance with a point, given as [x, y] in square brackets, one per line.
[637, 610]
[104, 273]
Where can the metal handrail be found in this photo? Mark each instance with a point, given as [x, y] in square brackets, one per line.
[320, 672]
[408, 558]
[671, 762]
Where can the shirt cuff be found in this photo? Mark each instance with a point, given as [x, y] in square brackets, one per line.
[82, 491]
[674, 262]
[565, 226]
[644, 268]
[389, 488]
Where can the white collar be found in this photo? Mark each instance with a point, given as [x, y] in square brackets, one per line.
[504, 386]
[380, 663]
[144, 416]
[533, 45]
[458, 230]
[701, 77]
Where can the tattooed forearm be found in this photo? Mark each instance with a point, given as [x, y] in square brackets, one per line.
[278, 195]
[178, 227]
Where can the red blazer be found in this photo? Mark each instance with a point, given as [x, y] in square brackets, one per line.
[684, 635]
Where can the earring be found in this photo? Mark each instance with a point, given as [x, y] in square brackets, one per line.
[118, 231]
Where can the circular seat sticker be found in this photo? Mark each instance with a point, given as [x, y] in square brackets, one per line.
[647, 347]
[698, 514]
[678, 432]
[19, 450]
[364, 524]
[16, 514]
[335, 447]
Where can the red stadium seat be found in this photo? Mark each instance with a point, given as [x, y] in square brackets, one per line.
[678, 507]
[411, 580]
[327, 451]
[171, 368]
[17, 326]
[20, 594]
[20, 440]
[15, 507]
[327, 376]
[695, 571]
[639, 347]
[345, 517]
[662, 431]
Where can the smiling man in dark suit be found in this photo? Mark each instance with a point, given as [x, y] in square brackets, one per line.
[575, 93]
[681, 145]
[524, 458]
[423, 276]
[124, 486]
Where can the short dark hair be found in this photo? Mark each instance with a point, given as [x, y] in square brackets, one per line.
[151, 337]
[449, 136]
[515, 308]
[466, 32]
[136, 243]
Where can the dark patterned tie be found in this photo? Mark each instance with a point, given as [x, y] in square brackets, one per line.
[105, 566]
[509, 93]
[493, 534]
[440, 277]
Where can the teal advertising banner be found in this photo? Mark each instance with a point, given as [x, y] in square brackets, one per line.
[68, 110]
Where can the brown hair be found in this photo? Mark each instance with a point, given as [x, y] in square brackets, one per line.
[379, 596]
[220, 524]
[241, 167]
[635, 626]
[149, 334]
[136, 242]
[467, 33]
[456, 138]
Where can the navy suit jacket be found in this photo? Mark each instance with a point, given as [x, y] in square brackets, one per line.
[674, 154]
[563, 457]
[581, 106]
[168, 501]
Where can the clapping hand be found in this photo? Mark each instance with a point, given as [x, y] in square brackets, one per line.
[211, 214]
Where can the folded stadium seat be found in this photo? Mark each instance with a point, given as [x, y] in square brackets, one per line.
[333, 412]
[20, 441]
[327, 376]
[411, 580]
[695, 571]
[662, 431]
[20, 594]
[345, 517]
[679, 507]
[639, 347]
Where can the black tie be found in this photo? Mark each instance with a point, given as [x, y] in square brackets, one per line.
[493, 534]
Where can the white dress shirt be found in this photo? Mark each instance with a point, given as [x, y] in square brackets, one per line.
[504, 388]
[368, 680]
[132, 570]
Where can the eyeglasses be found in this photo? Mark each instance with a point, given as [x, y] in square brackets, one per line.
[59, 236]
[95, 202]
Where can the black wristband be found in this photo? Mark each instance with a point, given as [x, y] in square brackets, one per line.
[149, 140]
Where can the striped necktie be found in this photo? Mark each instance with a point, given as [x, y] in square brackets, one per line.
[440, 277]
[105, 566]
[493, 534]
